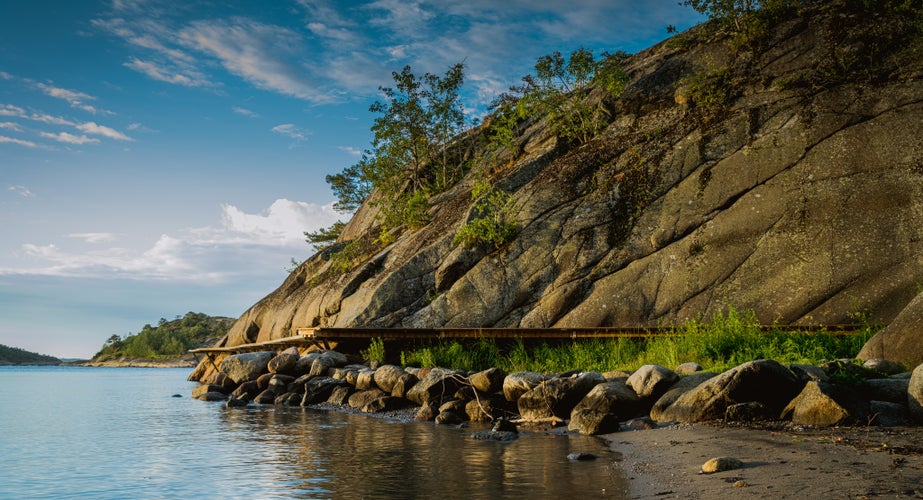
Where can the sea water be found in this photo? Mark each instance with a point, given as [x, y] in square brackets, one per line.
[74, 432]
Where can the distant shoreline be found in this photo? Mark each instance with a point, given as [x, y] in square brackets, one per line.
[138, 363]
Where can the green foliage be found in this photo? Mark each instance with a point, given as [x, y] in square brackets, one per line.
[736, 12]
[16, 356]
[375, 351]
[410, 155]
[724, 340]
[325, 236]
[168, 339]
[710, 92]
[558, 89]
[494, 221]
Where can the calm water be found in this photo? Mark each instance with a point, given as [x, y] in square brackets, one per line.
[118, 433]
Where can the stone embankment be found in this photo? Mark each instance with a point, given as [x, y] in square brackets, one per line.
[836, 393]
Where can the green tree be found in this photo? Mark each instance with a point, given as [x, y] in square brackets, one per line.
[325, 236]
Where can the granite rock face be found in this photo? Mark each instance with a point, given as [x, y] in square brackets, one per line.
[801, 196]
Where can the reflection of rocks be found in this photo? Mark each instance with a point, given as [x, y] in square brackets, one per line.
[837, 393]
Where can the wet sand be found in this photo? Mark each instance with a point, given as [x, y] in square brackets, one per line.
[779, 461]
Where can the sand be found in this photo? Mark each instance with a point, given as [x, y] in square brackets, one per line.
[779, 461]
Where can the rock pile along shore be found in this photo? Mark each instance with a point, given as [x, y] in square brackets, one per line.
[836, 393]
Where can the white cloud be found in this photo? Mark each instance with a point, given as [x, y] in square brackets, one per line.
[74, 98]
[20, 190]
[169, 75]
[350, 150]
[5, 75]
[70, 138]
[94, 237]
[95, 129]
[244, 111]
[239, 244]
[11, 126]
[267, 56]
[290, 130]
[20, 142]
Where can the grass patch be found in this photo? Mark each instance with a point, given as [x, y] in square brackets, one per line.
[718, 343]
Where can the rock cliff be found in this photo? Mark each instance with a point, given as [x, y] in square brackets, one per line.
[780, 172]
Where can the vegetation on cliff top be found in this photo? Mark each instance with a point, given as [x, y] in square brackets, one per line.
[16, 356]
[169, 339]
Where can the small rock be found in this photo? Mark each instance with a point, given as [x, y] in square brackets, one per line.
[638, 424]
[883, 366]
[688, 368]
[741, 484]
[502, 436]
[504, 425]
[721, 464]
[449, 418]
[580, 457]
[235, 403]
[176, 396]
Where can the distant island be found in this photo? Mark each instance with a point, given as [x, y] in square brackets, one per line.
[14, 356]
[164, 345]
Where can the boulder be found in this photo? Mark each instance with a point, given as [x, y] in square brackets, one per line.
[279, 383]
[651, 381]
[384, 403]
[340, 395]
[752, 411]
[318, 389]
[435, 385]
[304, 363]
[824, 404]
[209, 392]
[915, 394]
[518, 383]
[266, 397]
[556, 397]
[902, 340]
[684, 385]
[288, 399]
[426, 413]
[403, 384]
[236, 403]
[361, 398]
[365, 380]
[688, 368]
[489, 380]
[386, 376]
[455, 406]
[488, 408]
[763, 380]
[284, 362]
[893, 390]
[246, 366]
[601, 410]
[888, 414]
[449, 418]
[222, 380]
[807, 373]
[883, 366]
[246, 391]
[721, 464]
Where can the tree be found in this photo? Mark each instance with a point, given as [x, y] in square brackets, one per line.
[325, 236]
[734, 11]
[409, 156]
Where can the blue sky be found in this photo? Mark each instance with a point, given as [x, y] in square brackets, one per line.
[160, 157]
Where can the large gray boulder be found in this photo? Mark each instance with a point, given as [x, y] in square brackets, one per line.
[601, 410]
[892, 390]
[284, 362]
[246, 366]
[386, 376]
[434, 386]
[684, 385]
[318, 389]
[651, 381]
[824, 404]
[557, 397]
[915, 394]
[489, 380]
[518, 383]
[902, 340]
[765, 381]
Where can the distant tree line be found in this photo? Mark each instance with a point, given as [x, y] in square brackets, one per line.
[16, 356]
[167, 339]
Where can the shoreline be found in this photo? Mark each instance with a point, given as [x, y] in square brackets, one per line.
[137, 363]
[779, 460]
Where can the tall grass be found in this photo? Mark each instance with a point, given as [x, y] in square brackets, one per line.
[725, 340]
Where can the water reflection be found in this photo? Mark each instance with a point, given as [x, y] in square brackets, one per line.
[317, 454]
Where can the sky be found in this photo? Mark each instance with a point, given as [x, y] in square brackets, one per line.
[160, 157]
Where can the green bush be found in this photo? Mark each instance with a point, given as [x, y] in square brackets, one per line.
[494, 221]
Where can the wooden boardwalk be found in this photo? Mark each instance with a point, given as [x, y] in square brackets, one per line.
[321, 337]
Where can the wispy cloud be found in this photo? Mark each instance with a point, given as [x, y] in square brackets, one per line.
[350, 150]
[21, 191]
[110, 133]
[290, 130]
[94, 237]
[244, 111]
[70, 138]
[74, 98]
[169, 75]
[11, 126]
[20, 142]
[255, 244]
